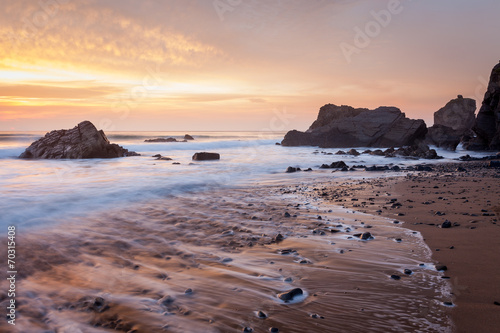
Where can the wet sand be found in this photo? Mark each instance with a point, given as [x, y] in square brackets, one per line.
[470, 249]
[217, 262]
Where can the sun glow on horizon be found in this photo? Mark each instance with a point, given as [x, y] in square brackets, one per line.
[173, 64]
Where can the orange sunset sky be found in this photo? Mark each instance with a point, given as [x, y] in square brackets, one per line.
[232, 64]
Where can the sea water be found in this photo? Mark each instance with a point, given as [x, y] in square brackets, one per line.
[37, 192]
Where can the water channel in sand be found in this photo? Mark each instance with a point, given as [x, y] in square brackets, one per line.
[209, 262]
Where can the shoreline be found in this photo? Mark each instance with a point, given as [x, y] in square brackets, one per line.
[470, 200]
[213, 262]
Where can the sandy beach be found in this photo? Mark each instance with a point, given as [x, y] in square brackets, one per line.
[221, 262]
[468, 198]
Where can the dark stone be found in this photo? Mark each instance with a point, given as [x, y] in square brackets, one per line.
[366, 236]
[338, 165]
[441, 268]
[446, 224]
[278, 238]
[496, 303]
[188, 137]
[261, 315]
[395, 277]
[408, 271]
[353, 152]
[204, 156]
[494, 164]
[287, 214]
[290, 295]
[274, 330]
[247, 330]
[291, 169]
[82, 141]
[344, 126]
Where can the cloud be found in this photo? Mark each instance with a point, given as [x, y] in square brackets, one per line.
[48, 92]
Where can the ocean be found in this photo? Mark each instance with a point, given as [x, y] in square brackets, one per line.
[143, 245]
[39, 192]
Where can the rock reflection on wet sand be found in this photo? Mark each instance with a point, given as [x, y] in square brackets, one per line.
[212, 262]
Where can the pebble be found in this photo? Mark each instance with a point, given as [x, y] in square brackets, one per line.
[261, 315]
[446, 224]
[274, 330]
[290, 295]
[248, 330]
[408, 271]
[441, 268]
[395, 277]
[496, 303]
[316, 316]
[188, 291]
[287, 214]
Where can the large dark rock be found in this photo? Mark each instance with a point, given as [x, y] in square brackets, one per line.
[161, 140]
[452, 123]
[487, 126]
[203, 156]
[344, 126]
[82, 141]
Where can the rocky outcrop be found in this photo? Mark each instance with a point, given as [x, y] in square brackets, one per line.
[344, 126]
[83, 141]
[204, 156]
[452, 123]
[188, 137]
[164, 140]
[487, 125]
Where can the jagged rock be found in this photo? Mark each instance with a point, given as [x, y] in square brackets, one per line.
[344, 126]
[204, 156]
[82, 141]
[188, 137]
[487, 125]
[452, 123]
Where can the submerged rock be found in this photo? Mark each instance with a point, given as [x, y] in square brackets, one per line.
[344, 126]
[82, 141]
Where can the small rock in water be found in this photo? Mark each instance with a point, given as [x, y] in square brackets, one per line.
[448, 303]
[290, 295]
[366, 236]
[287, 214]
[188, 291]
[261, 315]
[288, 279]
[248, 330]
[274, 330]
[395, 277]
[166, 300]
[408, 271]
[441, 268]
[278, 238]
[496, 303]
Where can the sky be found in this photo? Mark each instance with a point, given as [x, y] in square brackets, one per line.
[264, 65]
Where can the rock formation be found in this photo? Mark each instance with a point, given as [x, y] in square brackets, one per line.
[487, 126]
[164, 140]
[188, 137]
[344, 126]
[204, 156]
[452, 122]
[83, 141]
